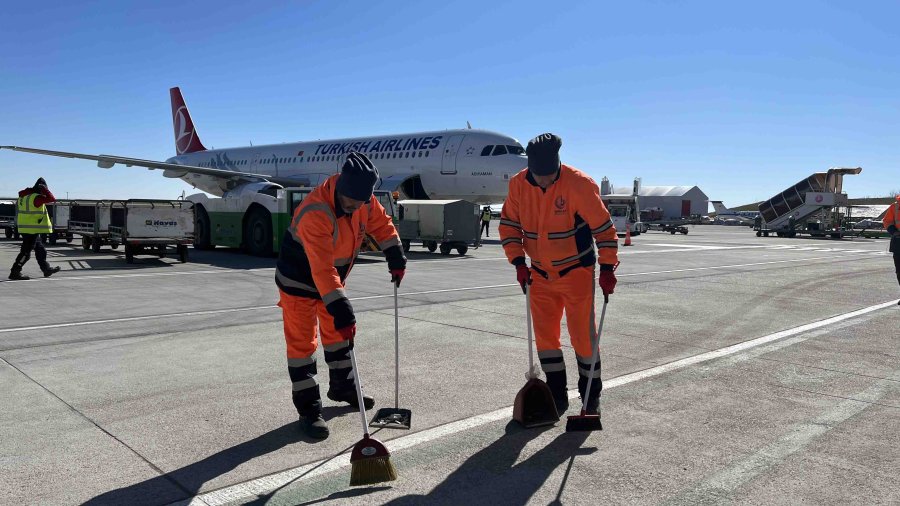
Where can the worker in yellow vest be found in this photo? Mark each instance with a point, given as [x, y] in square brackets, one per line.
[32, 220]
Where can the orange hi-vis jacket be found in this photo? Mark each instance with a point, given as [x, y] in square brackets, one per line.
[892, 217]
[559, 227]
[321, 244]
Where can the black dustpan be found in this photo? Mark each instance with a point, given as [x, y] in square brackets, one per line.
[534, 405]
[396, 417]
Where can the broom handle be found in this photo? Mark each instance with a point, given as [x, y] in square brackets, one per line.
[596, 344]
[528, 324]
[359, 395]
[396, 350]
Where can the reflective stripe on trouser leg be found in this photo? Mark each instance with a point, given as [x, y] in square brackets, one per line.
[300, 327]
[337, 352]
[554, 368]
[581, 321]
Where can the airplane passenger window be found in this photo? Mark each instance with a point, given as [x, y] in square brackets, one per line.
[516, 150]
[486, 151]
[407, 155]
[426, 154]
[499, 149]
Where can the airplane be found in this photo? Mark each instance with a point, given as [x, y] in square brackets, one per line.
[731, 216]
[466, 164]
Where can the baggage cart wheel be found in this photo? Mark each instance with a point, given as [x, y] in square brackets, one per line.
[182, 253]
[8, 233]
[672, 232]
[406, 245]
[462, 249]
[445, 248]
[161, 250]
[85, 243]
[758, 233]
[70, 238]
[114, 245]
[431, 245]
[52, 239]
[95, 245]
[685, 232]
[129, 254]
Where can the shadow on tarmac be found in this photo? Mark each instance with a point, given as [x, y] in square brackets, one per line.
[492, 475]
[187, 481]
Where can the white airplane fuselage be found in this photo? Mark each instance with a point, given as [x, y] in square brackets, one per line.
[473, 165]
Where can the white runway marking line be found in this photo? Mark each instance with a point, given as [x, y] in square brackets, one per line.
[370, 297]
[266, 484]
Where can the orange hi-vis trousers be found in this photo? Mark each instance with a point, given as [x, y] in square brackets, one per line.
[574, 294]
[304, 320]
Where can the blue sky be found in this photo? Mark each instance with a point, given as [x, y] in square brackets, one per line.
[742, 99]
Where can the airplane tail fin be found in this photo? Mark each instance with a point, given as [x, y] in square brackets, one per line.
[186, 138]
[719, 206]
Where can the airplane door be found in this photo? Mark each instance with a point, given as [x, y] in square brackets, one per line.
[254, 166]
[448, 163]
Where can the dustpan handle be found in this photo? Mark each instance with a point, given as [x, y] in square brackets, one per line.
[530, 333]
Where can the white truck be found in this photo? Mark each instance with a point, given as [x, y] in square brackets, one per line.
[623, 207]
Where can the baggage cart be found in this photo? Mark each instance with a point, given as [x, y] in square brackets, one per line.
[8, 218]
[59, 216]
[149, 227]
[444, 224]
[90, 219]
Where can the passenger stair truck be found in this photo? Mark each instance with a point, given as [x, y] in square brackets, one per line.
[817, 197]
[255, 216]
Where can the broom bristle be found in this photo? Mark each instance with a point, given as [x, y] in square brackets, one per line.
[583, 423]
[372, 470]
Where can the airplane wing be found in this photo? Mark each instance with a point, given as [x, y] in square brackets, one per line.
[172, 169]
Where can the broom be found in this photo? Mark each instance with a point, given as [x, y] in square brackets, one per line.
[370, 460]
[584, 421]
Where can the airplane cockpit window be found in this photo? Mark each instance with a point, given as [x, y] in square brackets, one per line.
[487, 150]
[499, 149]
[516, 150]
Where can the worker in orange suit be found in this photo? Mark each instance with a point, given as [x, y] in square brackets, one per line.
[891, 223]
[554, 215]
[317, 253]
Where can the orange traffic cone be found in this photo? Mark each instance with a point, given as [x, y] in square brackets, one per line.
[627, 235]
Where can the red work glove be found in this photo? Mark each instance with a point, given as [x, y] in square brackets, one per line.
[348, 332]
[523, 275]
[397, 275]
[607, 282]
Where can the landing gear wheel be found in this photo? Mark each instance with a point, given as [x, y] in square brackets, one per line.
[202, 231]
[85, 243]
[445, 249]
[70, 238]
[406, 245]
[95, 245]
[462, 249]
[129, 254]
[182, 252]
[258, 233]
[431, 245]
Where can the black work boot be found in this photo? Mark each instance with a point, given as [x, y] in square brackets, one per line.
[51, 271]
[16, 275]
[313, 425]
[346, 392]
[593, 404]
[557, 382]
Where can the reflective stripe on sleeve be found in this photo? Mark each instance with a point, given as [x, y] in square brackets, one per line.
[602, 228]
[393, 241]
[295, 223]
[286, 281]
[511, 240]
[608, 244]
[557, 263]
[336, 294]
[509, 223]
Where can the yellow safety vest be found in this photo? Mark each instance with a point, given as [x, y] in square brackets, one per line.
[31, 219]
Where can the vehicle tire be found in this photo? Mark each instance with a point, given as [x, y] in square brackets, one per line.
[182, 253]
[685, 232]
[129, 254]
[758, 233]
[95, 245]
[406, 245]
[52, 239]
[431, 245]
[202, 231]
[445, 249]
[462, 249]
[8, 233]
[258, 233]
[85, 242]
[114, 245]
[70, 238]
[672, 232]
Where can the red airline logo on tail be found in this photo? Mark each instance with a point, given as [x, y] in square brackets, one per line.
[186, 139]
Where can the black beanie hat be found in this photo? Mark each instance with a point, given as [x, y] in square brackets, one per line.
[543, 154]
[358, 177]
[40, 182]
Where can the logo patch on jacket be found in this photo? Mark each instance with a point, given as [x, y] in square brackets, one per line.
[560, 204]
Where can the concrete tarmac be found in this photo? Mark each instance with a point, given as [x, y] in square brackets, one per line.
[736, 369]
